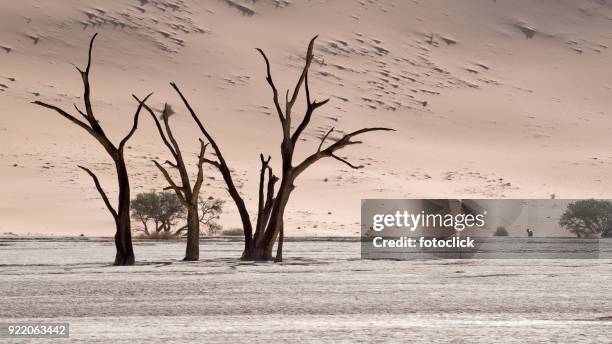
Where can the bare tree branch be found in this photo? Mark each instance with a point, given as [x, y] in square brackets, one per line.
[67, 115]
[324, 138]
[265, 204]
[222, 166]
[101, 191]
[182, 229]
[272, 179]
[200, 178]
[281, 116]
[159, 127]
[345, 140]
[177, 149]
[173, 165]
[329, 151]
[79, 111]
[260, 203]
[89, 54]
[346, 162]
[306, 120]
[302, 77]
[87, 91]
[213, 163]
[311, 106]
[135, 125]
[177, 189]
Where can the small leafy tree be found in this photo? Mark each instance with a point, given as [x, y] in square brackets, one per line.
[588, 218]
[162, 208]
[501, 231]
[171, 210]
[144, 208]
[210, 211]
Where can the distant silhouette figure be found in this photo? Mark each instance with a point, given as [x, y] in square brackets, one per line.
[529, 232]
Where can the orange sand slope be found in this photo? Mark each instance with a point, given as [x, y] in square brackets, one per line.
[490, 99]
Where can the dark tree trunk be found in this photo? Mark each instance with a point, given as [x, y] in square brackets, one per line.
[192, 251]
[123, 235]
[264, 247]
[279, 248]
[146, 227]
[246, 226]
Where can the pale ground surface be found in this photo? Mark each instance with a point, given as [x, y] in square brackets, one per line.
[518, 100]
[322, 293]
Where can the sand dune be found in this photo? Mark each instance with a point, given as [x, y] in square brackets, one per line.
[490, 99]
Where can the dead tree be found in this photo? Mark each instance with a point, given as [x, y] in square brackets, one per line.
[121, 215]
[271, 207]
[186, 194]
[222, 166]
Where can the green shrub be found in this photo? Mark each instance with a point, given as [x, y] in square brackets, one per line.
[501, 231]
[163, 235]
[588, 218]
[210, 211]
[164, 209]
[233, 232]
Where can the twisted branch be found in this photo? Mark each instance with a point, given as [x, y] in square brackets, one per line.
[135, 124]
[329, 151]
[177, 189]
[200, 178]
[224, 169]
[101, 191]
[281, 116]
[159, 129]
